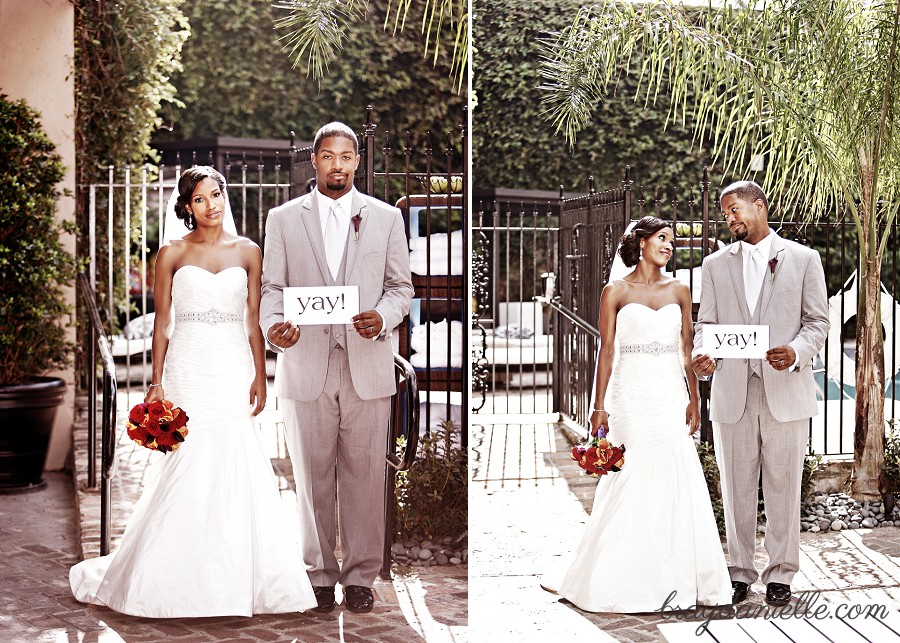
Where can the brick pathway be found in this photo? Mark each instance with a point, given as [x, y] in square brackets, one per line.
[39, 541]
[529, 502]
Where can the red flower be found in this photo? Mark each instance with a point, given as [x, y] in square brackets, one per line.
[180, 418]
[153, 429]
[166, 440]
[138, 413]
[156, 410]
[357, 219]
[772, 263]
[617, 458]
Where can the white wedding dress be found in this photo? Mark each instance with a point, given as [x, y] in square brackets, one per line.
[209, 535]
[651, 531]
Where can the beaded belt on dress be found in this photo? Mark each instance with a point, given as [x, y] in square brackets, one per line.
[651, 349]
[210, 317]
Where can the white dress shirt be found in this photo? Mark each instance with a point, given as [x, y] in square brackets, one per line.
[344, 213]
[755, 271]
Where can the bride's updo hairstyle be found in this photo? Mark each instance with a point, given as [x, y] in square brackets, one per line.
[630, 248]
[188, 182]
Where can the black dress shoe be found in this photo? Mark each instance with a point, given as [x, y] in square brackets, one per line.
[325, 597]
[358, 598]
[778, 594]
[738, 591]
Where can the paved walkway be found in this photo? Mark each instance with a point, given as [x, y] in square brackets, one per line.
[529, 523]
[42, 534]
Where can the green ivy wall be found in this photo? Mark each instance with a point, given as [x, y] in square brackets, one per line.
[238, 82]
[514, 147]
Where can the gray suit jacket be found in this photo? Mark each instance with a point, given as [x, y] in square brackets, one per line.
[378, 263]
[793, 304]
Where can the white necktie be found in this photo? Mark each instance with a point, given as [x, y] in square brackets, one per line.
[334, 241]
[753, 278]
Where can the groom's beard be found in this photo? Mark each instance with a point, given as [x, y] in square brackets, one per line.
[740, 233]
[336, 183]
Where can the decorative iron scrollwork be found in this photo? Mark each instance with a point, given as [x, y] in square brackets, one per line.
[481, 275]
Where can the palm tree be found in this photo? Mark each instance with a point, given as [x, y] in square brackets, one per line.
[316, 30]
[809, 83]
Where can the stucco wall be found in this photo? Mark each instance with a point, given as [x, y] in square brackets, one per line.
[36, 56]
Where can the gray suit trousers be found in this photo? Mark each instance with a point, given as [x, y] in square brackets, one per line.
[337, 450]
[759, 442]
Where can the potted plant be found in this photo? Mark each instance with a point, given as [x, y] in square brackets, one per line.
[34, 269]
[890, 471]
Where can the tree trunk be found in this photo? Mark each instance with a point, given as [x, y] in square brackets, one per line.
[868, 447]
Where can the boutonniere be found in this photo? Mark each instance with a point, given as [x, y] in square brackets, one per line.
[357, 219]
[772, 263]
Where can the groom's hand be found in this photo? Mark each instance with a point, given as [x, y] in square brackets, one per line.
[367, 324]
[283, 334]
[781, 358]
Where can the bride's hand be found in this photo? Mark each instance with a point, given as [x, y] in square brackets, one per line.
[258, 395]
[154, 394]
[692, 417]
[599, 418]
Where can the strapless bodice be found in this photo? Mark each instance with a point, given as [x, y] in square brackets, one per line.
[640, 325]
[197, 291]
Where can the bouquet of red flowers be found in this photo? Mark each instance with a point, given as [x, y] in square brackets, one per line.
[159, 425]
[598, 457]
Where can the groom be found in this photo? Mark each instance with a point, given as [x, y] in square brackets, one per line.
[334, 382]
[760, 408]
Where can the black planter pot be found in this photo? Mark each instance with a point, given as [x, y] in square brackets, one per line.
[26, 422]
[889, 502]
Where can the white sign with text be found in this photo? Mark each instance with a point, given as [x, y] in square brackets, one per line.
[735, 340]
[305, 305]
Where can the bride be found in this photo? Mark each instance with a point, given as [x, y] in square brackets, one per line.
[209, 535]
[651, 531]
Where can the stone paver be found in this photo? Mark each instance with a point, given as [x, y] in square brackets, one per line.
[529, 523]
[42, 534]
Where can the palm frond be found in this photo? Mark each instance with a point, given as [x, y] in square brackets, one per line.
[316, 30]
[441, 19]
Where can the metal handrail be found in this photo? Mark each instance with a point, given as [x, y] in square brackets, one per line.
[110, 389]
[405, 404]
[406, 376]
[568, 314]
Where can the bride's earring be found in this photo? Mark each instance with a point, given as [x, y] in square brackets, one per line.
[641, 254]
